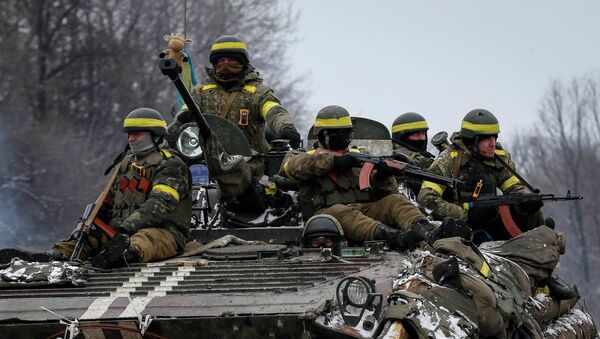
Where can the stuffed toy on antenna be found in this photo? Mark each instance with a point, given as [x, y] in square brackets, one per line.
[177, 43]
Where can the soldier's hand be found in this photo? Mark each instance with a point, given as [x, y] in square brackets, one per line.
[292, 135]
[344, 162]
[383, 171]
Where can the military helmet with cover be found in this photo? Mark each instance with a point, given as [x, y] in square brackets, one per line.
[408, 123]
[322, 225]
[479, 122]
[145, 119]
[229, 46]
[332, 117]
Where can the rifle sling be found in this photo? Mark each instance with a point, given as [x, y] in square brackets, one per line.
[511, 170]
[230, 97]
[414, 149]
[455, 170]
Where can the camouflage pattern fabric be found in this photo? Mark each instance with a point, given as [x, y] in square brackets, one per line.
[448, 202]
[323, 191]
[416, 159]
[259, 101]
[150, 191]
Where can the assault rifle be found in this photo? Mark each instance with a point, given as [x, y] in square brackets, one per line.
[503, 202]
[514, 199]
[371, 162]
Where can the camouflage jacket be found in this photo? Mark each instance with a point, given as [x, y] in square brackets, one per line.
[321, 187]
[415, 158]
[254, 106]
[151, 191]
[471, 169]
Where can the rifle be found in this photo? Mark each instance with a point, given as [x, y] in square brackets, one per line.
[503, 202]
[89, 218]
[169, 68]
[370, 162]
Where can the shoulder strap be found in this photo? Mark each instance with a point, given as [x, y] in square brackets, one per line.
[513, 172]
[231, 96]
[456, 162]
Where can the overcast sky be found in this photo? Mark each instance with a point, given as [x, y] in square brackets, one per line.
[443, 58]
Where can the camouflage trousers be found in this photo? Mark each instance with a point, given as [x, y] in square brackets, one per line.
[358, 220]
[151, 243]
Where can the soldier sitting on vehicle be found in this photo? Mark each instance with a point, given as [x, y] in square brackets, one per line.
[148, 205]
[476, 159]
[409, 138]
[328, 178]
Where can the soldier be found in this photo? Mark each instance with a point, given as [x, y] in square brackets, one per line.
[476, 159]
[409, 138]
[234, 91]
[328, 180]
[149, 203]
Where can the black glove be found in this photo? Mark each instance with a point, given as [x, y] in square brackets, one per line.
[383, 171]
[481, 215]
[292, 135]
[344, 162]
[529, 207]
[451, 227]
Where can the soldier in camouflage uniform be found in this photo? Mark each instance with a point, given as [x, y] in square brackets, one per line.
[482, 165]
[149, 203]
[235, 91]
[409, 138]
[328, 180]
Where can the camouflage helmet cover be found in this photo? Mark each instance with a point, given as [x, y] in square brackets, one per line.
[145, 119]
[332, 117]
[479, 122]
[407, 124]
[229, 46]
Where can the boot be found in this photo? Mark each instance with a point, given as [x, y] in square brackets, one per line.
[397, 239]
[117, 253]
[559, 291]
[447, 273]
[450, 227]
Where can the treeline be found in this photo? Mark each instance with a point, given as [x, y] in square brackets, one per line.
[72, 69]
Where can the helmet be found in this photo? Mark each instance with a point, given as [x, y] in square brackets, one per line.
[332, 117]
[407, 124]
[229, 46]
[320, 225]
[145, 119]
[479, 122]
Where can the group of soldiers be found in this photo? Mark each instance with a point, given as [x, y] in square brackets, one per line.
[149, 202]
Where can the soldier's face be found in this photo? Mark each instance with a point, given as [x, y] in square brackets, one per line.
[321, 242]
[135, 136]
[418, 136]
[486, 147]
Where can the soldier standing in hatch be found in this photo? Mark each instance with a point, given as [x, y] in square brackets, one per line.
[409, 138]
[149, 203]
[328, 180]
[234, 91]
[479, 161]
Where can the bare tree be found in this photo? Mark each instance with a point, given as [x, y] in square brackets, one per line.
[72, 69]
[560, 153]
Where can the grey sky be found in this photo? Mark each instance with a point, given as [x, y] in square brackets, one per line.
[442, 58]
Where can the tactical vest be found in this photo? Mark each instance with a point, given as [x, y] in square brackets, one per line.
[244, 110]
[471, 173]
[333, 188]
[134, 183]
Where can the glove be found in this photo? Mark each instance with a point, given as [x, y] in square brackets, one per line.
[344, 163]
[481, 215]
[383, 171]
[529, 207]
[292, 135]
[451, 227]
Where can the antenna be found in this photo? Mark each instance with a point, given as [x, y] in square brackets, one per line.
[185, 18]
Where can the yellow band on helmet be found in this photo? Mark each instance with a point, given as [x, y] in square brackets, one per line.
[481, 128]
[144, 122]
[409, 125]
[228, 45]
[334, 122]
